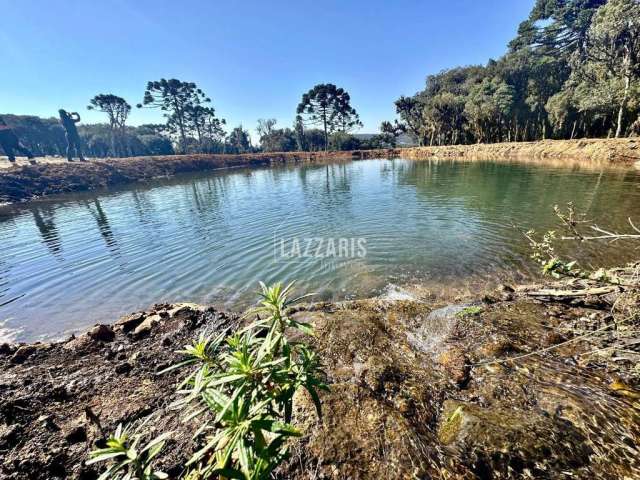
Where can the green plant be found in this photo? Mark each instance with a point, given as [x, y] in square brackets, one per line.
[127, 463]
[469, 311]
[242, 391]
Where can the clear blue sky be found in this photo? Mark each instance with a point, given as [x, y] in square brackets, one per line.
[254, 58]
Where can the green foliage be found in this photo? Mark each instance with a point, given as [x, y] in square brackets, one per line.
[127, 462]
[242, 391]
[471, 311]
[238, 141]
[572, 71]
[240, 388]
[543, 253]
[275, 139]
[328, 107]
[188, 120]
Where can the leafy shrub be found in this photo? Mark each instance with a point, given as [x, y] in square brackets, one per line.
[127, 462]
[240, 388]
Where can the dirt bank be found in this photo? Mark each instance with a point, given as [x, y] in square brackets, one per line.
[27, 182]
[416, 391]
[586, 152]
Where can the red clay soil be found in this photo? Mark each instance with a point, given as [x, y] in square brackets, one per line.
[28, 182]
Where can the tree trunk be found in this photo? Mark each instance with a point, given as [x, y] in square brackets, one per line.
[623, 105]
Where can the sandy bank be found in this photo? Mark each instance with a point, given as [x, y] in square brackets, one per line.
[26, 182]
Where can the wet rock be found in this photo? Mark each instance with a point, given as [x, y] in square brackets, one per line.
[6, 349]
[22, 353]
[101, 333]
[507, 443]
[129, 322]
[456, 364]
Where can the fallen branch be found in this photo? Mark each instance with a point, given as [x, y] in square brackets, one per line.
[574, 293]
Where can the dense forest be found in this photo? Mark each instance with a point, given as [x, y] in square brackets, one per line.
[572, 71]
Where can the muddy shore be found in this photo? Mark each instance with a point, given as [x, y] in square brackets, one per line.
[418, 389]
[27, 182]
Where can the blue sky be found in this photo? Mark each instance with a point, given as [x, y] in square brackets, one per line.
[253, 58]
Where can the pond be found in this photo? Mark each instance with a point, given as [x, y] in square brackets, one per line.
[343, 230]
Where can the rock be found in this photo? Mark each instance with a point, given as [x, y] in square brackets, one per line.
[79, 344]
[6, 349]
[147, 325]
[101, 333]
[129, 322]
[504, 293]
[23, 352]
[510, 440]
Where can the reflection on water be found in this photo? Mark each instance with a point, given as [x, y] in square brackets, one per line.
[70, 262]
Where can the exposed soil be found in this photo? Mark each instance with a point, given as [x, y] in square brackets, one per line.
[416, 391]
[26, 182]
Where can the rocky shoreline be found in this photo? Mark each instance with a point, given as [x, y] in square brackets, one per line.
[418, 389]
[28, 182]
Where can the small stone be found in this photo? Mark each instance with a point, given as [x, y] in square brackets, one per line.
[23, 352]
[102, 333]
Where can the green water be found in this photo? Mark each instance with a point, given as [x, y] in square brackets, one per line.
[361, 228]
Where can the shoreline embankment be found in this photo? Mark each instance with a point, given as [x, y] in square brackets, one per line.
[417, 389]
[28, 182]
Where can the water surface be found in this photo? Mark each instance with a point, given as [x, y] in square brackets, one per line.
[70, 262]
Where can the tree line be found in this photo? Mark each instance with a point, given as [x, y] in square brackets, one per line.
[324, 120]
[572, 71]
